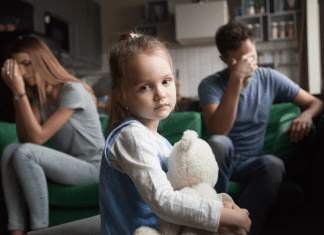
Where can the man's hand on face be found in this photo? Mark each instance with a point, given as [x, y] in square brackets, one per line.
[244, 67]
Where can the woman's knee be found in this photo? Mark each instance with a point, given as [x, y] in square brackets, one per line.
[23, 153]
[8, 152]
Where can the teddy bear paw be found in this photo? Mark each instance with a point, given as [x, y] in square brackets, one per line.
[146, 231]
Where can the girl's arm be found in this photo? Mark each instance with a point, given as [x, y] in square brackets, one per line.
[138, 159]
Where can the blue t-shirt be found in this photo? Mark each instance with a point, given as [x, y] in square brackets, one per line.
[265, 87]
[122, 208]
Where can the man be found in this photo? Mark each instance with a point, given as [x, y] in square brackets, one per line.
[236, 104]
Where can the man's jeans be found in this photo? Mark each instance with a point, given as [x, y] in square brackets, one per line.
[262, 176]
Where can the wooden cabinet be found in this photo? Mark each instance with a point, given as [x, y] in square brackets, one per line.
[197, 23]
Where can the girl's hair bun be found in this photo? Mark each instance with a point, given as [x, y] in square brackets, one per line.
[127, 36]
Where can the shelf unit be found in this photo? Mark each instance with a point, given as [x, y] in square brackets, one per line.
[273, 11]
[157, 13]
[282, 17]
[253, 20]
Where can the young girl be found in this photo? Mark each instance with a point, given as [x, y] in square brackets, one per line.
[49, 103]
[134, 190]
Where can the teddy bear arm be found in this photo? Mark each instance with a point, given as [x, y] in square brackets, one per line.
[207, 192]
[189, 191]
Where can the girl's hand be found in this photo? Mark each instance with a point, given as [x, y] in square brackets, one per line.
[233, 206]
[12, 76]
[300, 127]
[236, 221]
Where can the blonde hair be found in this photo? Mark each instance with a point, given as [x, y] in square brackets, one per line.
[45, 66]
[126, 46]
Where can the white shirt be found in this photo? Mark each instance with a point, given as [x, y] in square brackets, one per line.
[136, 153]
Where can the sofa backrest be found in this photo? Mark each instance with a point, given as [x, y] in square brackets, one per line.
[8, 134]
[175, 124]
[172, 128]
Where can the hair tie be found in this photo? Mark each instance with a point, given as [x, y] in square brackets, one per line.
[134, 35]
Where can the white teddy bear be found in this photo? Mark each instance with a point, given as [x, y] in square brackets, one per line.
[193, 170]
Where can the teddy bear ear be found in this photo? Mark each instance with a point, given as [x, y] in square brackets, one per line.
[188, 138]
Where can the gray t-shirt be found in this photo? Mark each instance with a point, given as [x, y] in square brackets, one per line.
[81, 136]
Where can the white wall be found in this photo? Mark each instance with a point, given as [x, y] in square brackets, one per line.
[313, 47]
[194, 64]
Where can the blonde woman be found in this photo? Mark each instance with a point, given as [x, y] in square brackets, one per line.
[49, 103]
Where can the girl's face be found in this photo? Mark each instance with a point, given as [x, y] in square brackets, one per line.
[150, 93]
[25, 67]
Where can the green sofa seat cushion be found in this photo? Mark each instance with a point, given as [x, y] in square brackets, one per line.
[235, 189]
[73, 195]
[175, 124]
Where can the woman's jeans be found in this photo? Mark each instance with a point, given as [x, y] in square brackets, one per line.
[24, 170]
[262, 176]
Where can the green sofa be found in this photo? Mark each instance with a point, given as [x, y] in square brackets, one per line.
[69, 203]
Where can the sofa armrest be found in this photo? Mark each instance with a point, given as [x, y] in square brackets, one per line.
[276, 142]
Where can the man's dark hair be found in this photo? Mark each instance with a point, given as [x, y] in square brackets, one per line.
[231, 36]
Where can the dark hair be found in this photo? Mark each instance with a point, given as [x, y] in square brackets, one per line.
[231, 36]
[126, 46]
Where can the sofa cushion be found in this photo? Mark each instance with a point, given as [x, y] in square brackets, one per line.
[175, 124]
[8, 134]
[104, 118]
[73, 195]
[235, 189]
